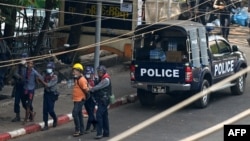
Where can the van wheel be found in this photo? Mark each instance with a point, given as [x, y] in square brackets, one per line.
[146, 98]
[239, 87]
[204, 100]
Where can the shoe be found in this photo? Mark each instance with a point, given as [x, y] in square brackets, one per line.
[54, 123]
[77, 134]
[16, 119]
[45, 128]
[105, 135]
[25, 121]
[98, 137]
[86, 131]
[93, 130]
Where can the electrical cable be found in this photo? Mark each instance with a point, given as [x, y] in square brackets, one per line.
[111, 40]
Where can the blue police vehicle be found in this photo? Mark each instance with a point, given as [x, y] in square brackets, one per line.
[179, 57]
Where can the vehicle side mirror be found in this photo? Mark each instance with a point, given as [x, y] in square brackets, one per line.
[235, 48]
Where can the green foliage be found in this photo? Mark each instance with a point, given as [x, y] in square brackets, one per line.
[9, 6]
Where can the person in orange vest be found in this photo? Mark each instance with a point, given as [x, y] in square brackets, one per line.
[79, 96]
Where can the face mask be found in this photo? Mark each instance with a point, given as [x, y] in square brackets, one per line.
[87, 75]
[23, 62]
[49, 71]
[75, 76]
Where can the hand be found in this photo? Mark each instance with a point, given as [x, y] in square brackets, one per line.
[90, 90]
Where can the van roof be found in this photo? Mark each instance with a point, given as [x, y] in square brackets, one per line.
[184, 25]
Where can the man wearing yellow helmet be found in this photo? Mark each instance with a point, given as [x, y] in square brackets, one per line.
[79, 95]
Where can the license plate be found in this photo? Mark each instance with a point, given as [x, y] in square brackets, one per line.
[158, 89]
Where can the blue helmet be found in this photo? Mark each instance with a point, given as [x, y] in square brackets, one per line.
[102, 69]
[89, 70]
[51, 65]
[24, 55]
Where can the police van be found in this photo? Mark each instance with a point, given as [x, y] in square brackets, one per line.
[179, 56]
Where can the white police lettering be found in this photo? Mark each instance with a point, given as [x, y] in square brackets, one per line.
[224, 67]
[159, 72]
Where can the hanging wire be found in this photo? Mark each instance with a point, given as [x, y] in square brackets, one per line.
[108, 41]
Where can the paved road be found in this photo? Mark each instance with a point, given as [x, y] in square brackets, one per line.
[172, 128]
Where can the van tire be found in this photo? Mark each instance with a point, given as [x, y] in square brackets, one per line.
[204, 100]
[146, 98]
[239, 87]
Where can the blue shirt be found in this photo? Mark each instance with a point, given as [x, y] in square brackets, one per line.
[30, 79]
[157, 54]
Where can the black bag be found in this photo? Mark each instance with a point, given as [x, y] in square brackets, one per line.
[55, 95]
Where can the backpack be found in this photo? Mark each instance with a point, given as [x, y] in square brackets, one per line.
[87, 95]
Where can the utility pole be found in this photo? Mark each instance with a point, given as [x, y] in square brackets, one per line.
[98, 33]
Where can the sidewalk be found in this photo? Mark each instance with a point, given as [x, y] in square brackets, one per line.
[238, 35]
[63, 107]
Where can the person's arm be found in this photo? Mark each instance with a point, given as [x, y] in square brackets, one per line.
[83, 84]
[104, 83]
[231, 5]
[217, 6]
[38, 75]
[53, 81]
[16, 74]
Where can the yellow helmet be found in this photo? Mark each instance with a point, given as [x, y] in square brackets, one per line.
[78, 66]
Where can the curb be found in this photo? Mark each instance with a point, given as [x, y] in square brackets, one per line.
[62, 119]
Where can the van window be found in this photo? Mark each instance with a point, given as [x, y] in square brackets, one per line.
[223, 46]
[213, 47]
[167, 48]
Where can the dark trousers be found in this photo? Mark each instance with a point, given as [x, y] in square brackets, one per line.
[102, 126]
[90, 108]
[18, 94]
[48, 107]
[28, 99]
[225, 23]
[202, 17]
[78, 117]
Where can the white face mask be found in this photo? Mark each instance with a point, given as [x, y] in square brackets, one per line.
[23, 62]
[49, 71]
[87, 75]
[75, 76]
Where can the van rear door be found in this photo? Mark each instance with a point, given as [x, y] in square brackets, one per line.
[159, 72]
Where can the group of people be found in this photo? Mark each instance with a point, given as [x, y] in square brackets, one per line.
[24, 88]
[222, 8]
[89, 90]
